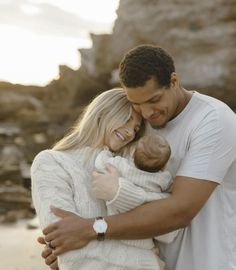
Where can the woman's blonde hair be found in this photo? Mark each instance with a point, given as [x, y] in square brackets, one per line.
[107, 112]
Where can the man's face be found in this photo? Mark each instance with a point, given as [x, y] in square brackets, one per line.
[157, 105]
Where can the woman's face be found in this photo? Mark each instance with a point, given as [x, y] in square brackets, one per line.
[124, 134]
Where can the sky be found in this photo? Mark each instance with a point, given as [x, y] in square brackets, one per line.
[39, 35]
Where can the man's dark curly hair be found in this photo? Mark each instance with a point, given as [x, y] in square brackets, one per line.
[144, 62]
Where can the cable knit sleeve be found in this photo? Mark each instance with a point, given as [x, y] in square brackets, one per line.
[130, 196]
[51, 186]
[136, 186]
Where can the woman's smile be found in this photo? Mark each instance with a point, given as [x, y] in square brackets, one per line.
[124, 134]
[119, 135]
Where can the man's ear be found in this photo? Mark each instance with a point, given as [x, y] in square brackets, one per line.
[174, 79]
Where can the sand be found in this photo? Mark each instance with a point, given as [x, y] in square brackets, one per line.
[19, 249]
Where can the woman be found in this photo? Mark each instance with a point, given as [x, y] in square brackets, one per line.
[62, 177]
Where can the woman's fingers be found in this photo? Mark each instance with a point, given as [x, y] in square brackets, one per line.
[46, 252]
[54, 265]
[50, 259]
[41, 240]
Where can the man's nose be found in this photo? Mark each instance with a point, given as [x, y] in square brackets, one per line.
[146, 111]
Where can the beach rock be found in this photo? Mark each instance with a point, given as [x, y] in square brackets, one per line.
[14, 197]
[9, 130]
[14, 215]
[21, 108]
[200, 35]
[10, 156]
[96, 61]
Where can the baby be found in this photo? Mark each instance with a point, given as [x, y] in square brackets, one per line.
[144, 173]
[151, 153]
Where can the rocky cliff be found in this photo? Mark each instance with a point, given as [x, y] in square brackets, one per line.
[200, 35]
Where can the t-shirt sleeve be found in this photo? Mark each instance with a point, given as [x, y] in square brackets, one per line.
[212, 148]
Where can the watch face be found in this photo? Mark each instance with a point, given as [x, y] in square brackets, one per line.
[100, 226]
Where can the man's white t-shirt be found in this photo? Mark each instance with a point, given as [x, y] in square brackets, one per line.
[203, 144]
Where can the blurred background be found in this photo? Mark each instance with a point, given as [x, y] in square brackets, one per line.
[56, 55]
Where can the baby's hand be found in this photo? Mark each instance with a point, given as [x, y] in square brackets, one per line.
[105, 186]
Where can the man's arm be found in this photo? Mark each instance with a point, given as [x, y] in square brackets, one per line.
[146, 221]
[165, 215]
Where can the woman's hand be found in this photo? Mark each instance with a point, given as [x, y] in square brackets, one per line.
[47, 253]
[105, 186]
[71, 232]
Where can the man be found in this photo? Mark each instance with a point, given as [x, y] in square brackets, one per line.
[201, 131]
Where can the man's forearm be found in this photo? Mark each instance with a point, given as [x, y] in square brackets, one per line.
[146, 221]
[149, 220]
[164, 215]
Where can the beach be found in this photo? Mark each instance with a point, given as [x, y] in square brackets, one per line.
[19, 249]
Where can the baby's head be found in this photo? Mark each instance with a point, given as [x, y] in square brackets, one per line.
[151, 153]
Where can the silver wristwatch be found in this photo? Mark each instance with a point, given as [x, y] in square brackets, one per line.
[100, 227]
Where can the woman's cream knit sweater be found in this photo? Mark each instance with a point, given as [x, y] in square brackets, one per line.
[63, 179]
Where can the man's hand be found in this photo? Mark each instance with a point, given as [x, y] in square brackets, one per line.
[48, 255]
[71, 232]
[105, 186]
